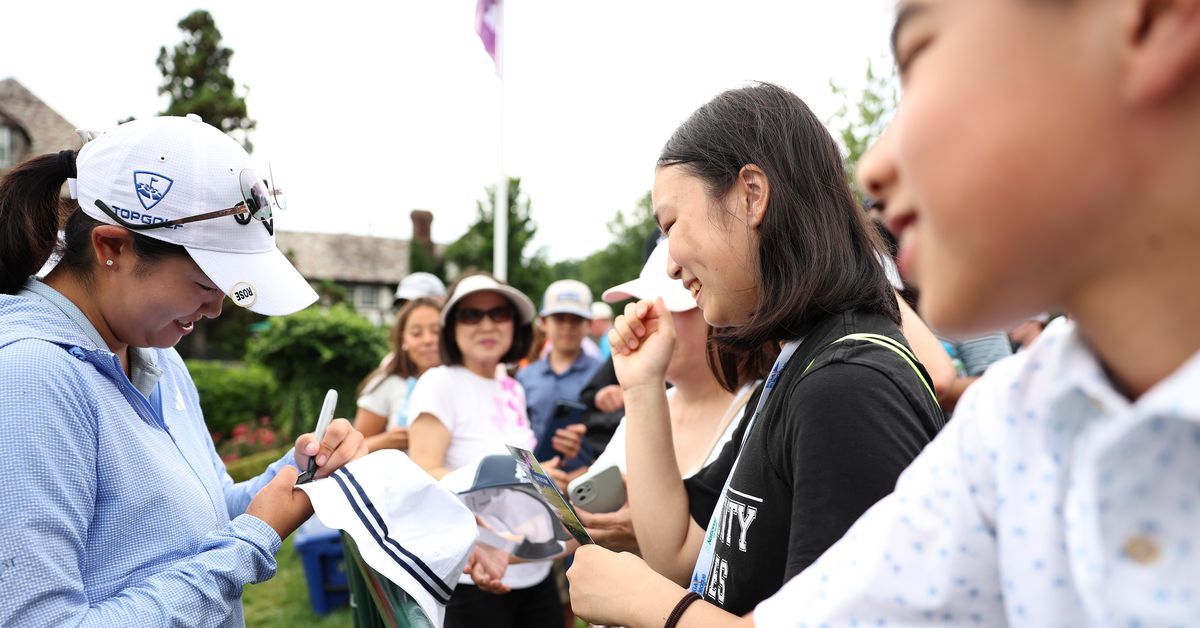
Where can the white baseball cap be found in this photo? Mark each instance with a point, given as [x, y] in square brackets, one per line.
[420, 285]
[407, 527]
[486, 283]
[601, 310]
[654, 282]
[148, 172]
[567, 296]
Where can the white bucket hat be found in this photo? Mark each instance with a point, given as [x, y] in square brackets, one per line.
[485, 283]
[160, 170]
[408, 528]
[654, 282]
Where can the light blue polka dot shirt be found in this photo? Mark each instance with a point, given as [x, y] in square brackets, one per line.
[1049, 500]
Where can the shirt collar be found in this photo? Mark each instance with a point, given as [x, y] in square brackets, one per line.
[542, 366]
[580, 364]
[1063, 369]
[1176, 395]
[143, 370]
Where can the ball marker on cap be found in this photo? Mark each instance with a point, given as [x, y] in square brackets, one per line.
[243, 294]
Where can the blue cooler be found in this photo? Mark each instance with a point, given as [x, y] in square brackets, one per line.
[320, 550]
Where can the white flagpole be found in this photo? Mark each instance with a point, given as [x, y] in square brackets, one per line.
[500, 216]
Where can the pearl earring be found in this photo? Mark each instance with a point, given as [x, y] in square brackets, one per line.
[108, 262]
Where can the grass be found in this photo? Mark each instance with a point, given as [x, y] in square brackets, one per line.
[283, 600]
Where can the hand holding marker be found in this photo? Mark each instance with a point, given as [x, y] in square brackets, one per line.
[322, 423]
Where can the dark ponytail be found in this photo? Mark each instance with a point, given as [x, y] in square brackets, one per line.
[31, 211]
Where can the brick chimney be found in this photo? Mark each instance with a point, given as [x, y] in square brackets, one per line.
[422, 228]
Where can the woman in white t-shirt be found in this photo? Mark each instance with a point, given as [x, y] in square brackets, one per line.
[383, 395]
[705, 409]
[469, 408]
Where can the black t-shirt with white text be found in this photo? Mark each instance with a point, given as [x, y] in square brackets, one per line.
[842, 423]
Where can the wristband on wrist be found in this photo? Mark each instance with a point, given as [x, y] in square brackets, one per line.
[682, 606]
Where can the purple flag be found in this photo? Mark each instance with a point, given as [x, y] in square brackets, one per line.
[487, 22]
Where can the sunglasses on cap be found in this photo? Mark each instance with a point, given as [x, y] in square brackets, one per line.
[474, 316]
[258, 199]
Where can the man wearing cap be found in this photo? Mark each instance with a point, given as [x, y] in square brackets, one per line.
[561, 375]
[117, 509]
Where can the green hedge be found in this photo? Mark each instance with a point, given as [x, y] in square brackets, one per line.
[231, 394]
[312, 351]
[251, 466]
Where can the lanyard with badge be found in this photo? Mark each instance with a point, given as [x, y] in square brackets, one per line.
[704, 560]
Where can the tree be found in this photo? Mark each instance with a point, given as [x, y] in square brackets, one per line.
[422, 260]
[528, 272]
[623, 259]
[196, 77]
[861, 122]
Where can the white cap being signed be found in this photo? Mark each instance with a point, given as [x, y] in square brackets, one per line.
[408, 528]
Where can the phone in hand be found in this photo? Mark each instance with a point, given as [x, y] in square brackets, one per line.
[598, 490]
[565, 413]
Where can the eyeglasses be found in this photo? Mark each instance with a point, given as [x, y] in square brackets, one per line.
[258, 199]
[474, 316]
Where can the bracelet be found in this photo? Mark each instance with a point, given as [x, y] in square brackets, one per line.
[682, 606]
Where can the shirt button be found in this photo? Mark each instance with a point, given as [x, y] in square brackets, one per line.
[1142, 550]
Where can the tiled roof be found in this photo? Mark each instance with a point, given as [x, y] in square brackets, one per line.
[350, 258]
[48, 131]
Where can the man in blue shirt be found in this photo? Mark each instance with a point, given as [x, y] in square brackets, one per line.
[561, 375]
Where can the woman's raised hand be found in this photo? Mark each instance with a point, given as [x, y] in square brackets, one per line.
[642, 339]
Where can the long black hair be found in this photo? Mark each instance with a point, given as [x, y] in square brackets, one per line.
[816, 253]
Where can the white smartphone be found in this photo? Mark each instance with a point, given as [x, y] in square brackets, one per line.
[598, 490]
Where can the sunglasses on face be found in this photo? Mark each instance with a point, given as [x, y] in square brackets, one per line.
[258, 201]
[474, 316]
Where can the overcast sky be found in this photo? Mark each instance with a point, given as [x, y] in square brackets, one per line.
[369, 110]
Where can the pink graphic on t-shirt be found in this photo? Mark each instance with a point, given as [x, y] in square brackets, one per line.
[510, 408]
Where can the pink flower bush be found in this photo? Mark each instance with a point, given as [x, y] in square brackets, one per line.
[246, 439]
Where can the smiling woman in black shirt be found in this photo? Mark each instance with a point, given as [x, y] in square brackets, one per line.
[765, 232]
